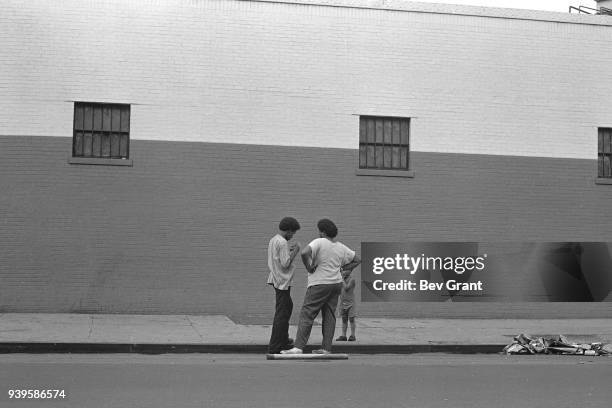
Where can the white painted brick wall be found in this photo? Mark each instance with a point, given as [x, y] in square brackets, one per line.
[256, 72]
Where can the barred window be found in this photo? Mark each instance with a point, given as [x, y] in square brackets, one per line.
[101, 130]
[605, 153]
[384, 143]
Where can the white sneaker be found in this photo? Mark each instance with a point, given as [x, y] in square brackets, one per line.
[294, 350]
[321, 351]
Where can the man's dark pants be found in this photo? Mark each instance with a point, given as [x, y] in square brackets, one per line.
[324, 299]
[280, 327]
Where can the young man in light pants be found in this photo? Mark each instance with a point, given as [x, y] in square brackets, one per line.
[323, 259]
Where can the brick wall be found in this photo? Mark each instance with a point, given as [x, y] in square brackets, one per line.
[186, 229]
[474, 80]
[505, 107]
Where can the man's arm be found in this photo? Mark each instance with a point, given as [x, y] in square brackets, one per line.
[306, 259]
[348, 268]
[287, 254]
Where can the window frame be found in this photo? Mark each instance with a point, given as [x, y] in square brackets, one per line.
[107, 130]
[390, 133]
[604, 151]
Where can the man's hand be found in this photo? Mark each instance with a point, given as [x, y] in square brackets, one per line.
[294, 249]
[348, 268]
[293, 246]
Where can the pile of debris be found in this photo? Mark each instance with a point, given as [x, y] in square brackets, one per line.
[525, 344]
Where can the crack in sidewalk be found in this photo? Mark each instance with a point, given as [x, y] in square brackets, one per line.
[194, 329]
[91, 326]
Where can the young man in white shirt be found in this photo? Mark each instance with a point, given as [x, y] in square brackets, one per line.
[323, 258]
[281, 254]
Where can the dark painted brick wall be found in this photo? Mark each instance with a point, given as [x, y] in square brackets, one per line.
[186, 229]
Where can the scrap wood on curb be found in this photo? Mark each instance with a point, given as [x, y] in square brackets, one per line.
[525, 344]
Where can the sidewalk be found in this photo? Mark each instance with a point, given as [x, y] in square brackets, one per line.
[103, 333]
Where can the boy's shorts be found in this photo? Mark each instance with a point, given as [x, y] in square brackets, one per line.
[349, 312]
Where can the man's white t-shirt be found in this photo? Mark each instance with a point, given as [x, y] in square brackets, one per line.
[328, 257]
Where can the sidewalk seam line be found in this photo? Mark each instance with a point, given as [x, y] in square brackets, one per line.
[194, 329]
[91, 326]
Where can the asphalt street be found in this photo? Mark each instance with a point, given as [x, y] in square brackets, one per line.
[207, 380]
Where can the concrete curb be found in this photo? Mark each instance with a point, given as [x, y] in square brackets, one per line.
[141, 348]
